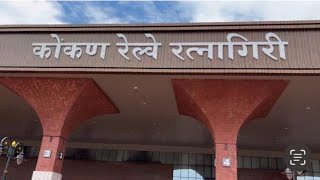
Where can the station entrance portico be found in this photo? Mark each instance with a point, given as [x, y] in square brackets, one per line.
[180, 101]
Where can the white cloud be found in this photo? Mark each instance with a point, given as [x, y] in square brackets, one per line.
[52, 12]
[97, 15]
[31, 12]
[221, 11]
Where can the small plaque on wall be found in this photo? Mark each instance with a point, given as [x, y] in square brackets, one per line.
[47, 153]
[226, 162]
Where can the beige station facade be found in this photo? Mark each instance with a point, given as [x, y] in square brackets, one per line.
[194, 101]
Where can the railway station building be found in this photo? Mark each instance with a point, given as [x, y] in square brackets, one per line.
[193, 101]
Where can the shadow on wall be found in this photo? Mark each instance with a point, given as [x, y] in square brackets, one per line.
[97, 170]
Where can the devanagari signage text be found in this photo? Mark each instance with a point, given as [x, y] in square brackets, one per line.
[181, 50]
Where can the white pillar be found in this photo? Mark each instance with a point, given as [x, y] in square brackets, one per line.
[46, 175]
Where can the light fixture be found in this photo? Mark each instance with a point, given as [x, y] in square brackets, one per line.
[11, 149]
[299, 172]
[136, 89]
[291, 174]
[288, 173]
[20, 157]
[1, 149]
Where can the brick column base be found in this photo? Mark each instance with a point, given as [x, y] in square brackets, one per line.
[46, 175]
[52, 163]
[226, 151]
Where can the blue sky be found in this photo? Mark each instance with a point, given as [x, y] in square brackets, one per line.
[123, 12]
[110, 12]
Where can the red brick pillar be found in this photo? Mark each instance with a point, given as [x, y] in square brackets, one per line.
[56, 145]
[224, 106]
[61, 105]
[229, 151]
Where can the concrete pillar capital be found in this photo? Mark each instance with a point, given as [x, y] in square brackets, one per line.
[225, 106]
[61, 105]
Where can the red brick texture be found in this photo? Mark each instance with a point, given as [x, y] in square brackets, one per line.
[57, 145]
[225, 106]
[61, 105]
[226, 151]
